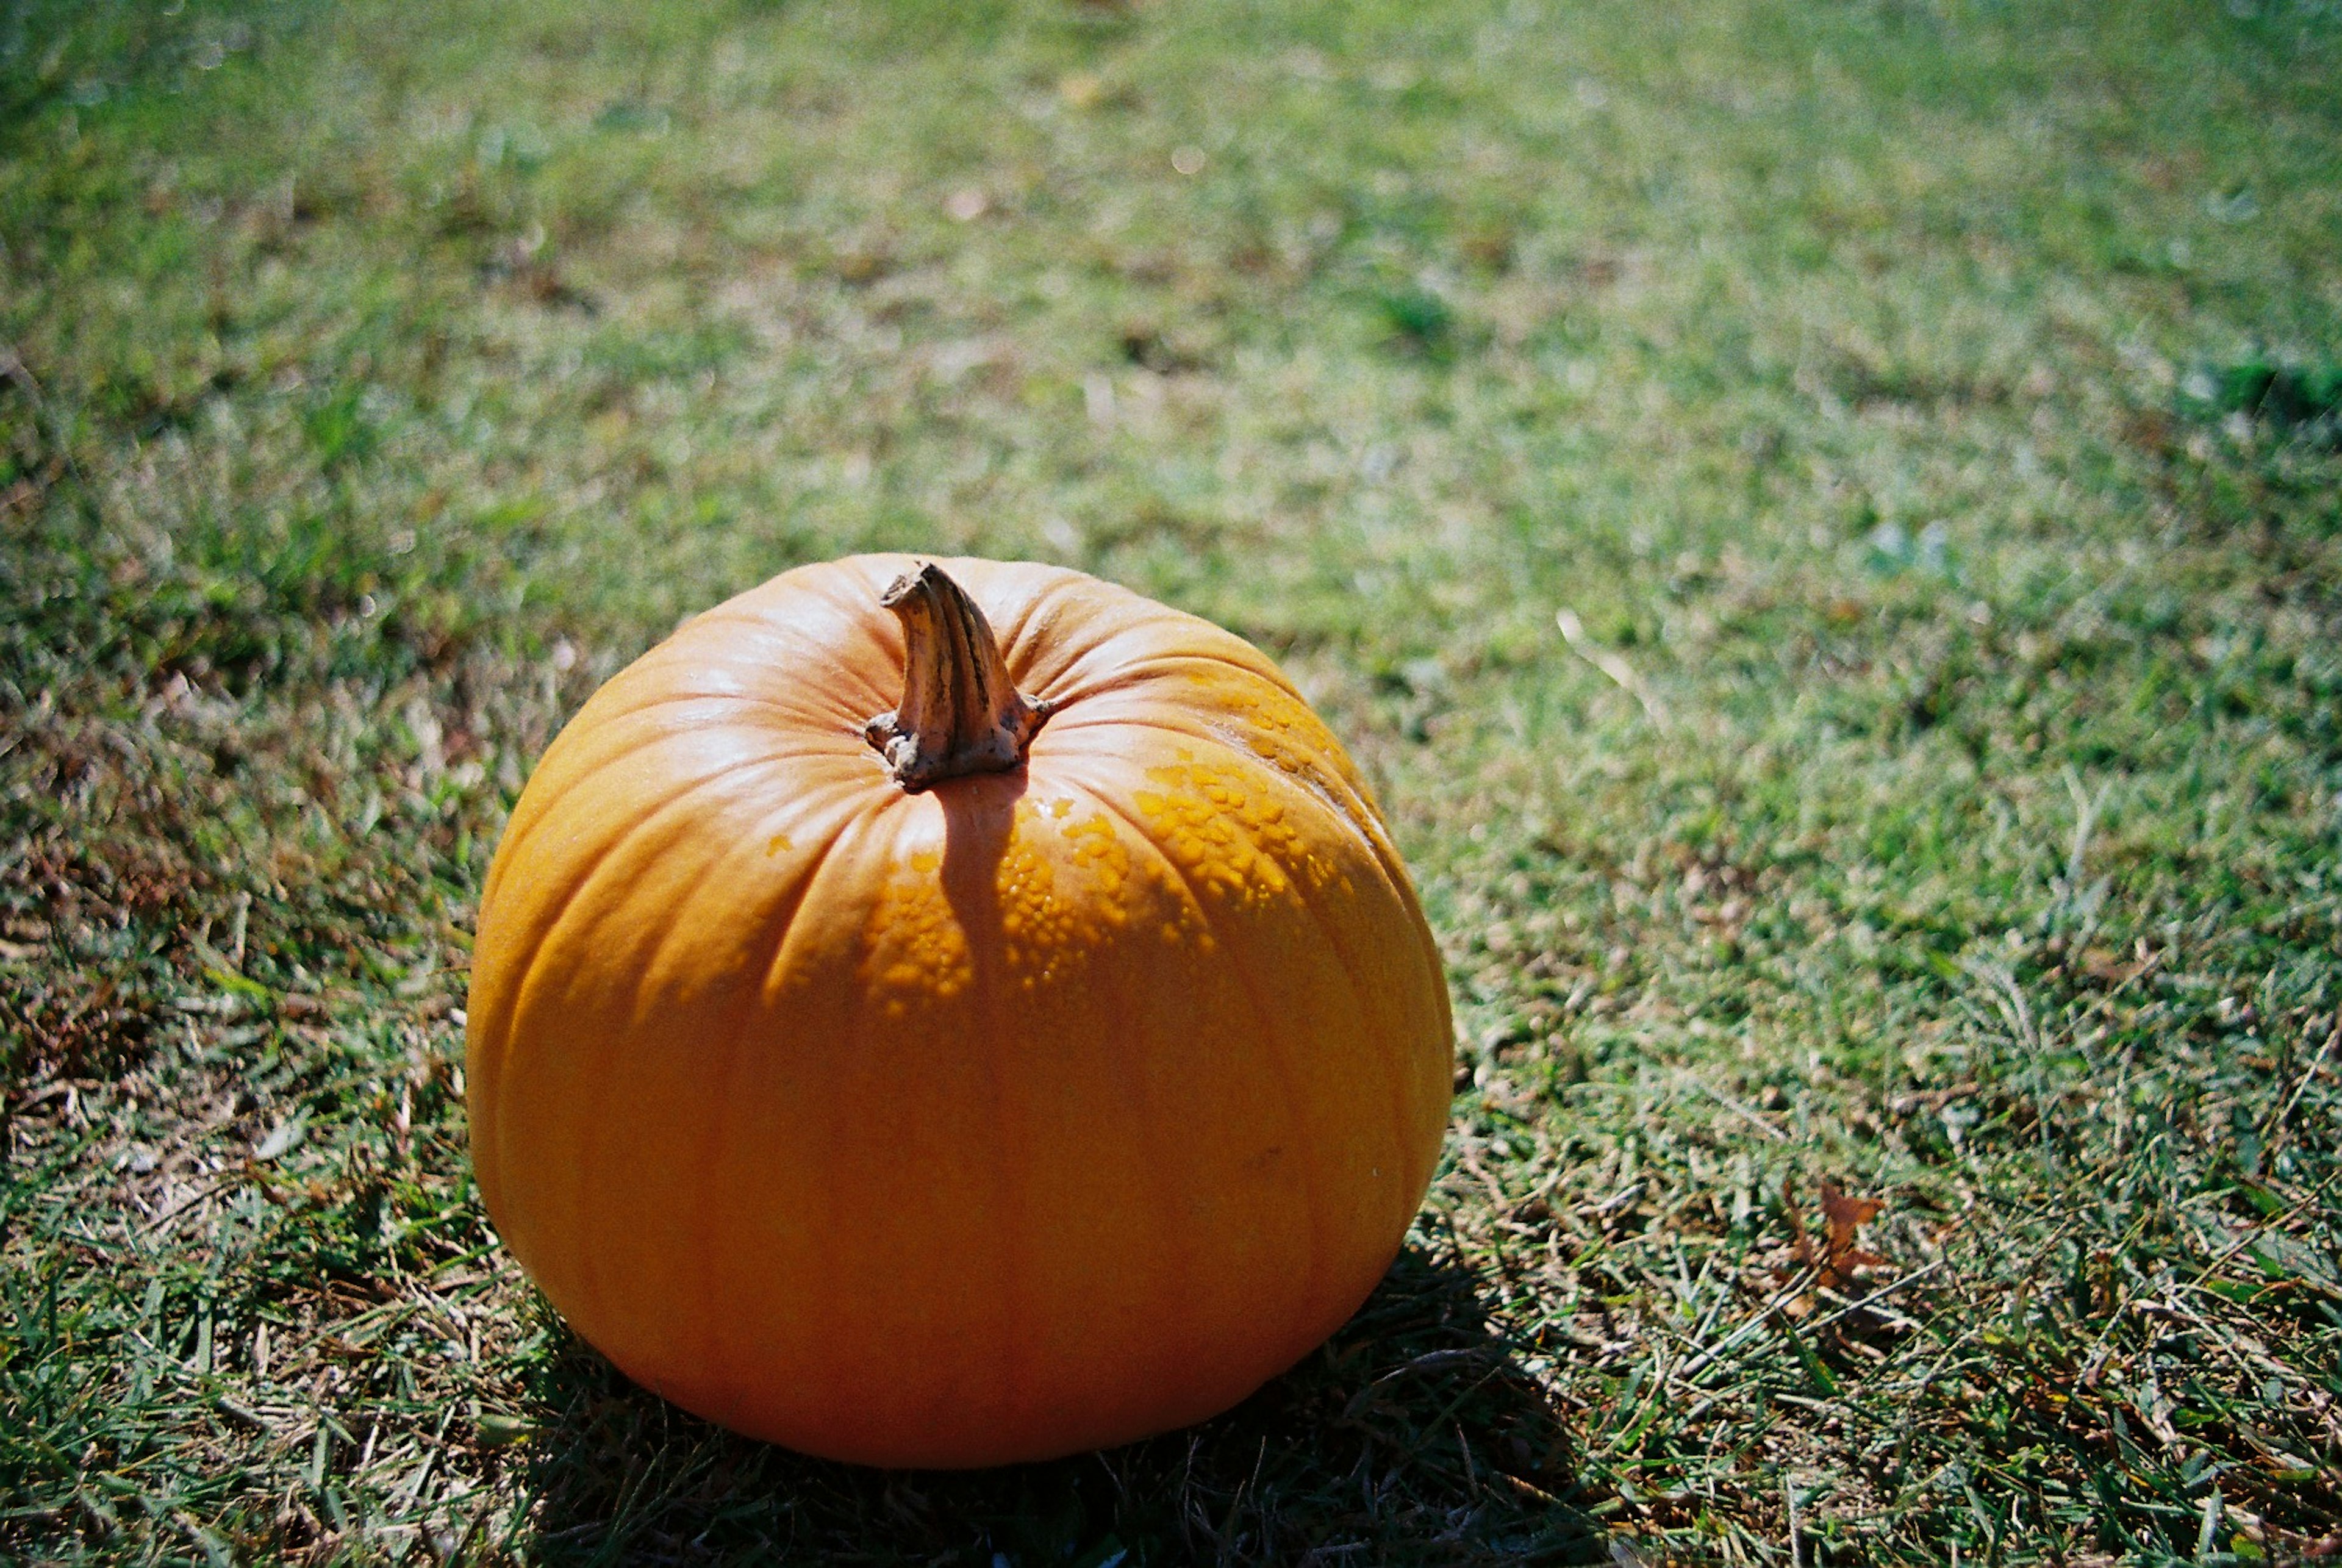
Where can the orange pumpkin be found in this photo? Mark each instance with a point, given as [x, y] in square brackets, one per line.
[989, 1078]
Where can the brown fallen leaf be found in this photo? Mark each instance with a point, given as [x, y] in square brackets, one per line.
[1836, 1258]
[1843, 1216]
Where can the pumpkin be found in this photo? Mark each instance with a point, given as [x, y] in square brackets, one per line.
[920, 1045]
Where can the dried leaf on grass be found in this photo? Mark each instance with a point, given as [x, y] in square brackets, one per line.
[1835, 1261]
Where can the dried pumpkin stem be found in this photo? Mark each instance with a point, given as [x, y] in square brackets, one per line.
[960, 712]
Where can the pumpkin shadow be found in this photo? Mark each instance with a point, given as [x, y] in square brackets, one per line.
[1415, 1434]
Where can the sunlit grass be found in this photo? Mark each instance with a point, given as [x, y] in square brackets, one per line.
[1922, 415]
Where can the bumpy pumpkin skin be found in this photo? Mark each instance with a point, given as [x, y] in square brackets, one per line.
[1036, 1112]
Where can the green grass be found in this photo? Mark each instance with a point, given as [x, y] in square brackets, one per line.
[1922, 414]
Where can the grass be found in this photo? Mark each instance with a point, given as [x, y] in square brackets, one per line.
[1894, 930]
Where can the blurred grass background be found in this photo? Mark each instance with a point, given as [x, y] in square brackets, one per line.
[1820, 519]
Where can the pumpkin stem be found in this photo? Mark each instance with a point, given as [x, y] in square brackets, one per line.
[960, 712]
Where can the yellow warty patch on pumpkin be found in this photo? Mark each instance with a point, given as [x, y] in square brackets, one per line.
[1229, 834]
[913, 946]
[1044, 935]
[1281, 731]
[1098, 849]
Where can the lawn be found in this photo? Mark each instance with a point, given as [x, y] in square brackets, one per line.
[1822, 522]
